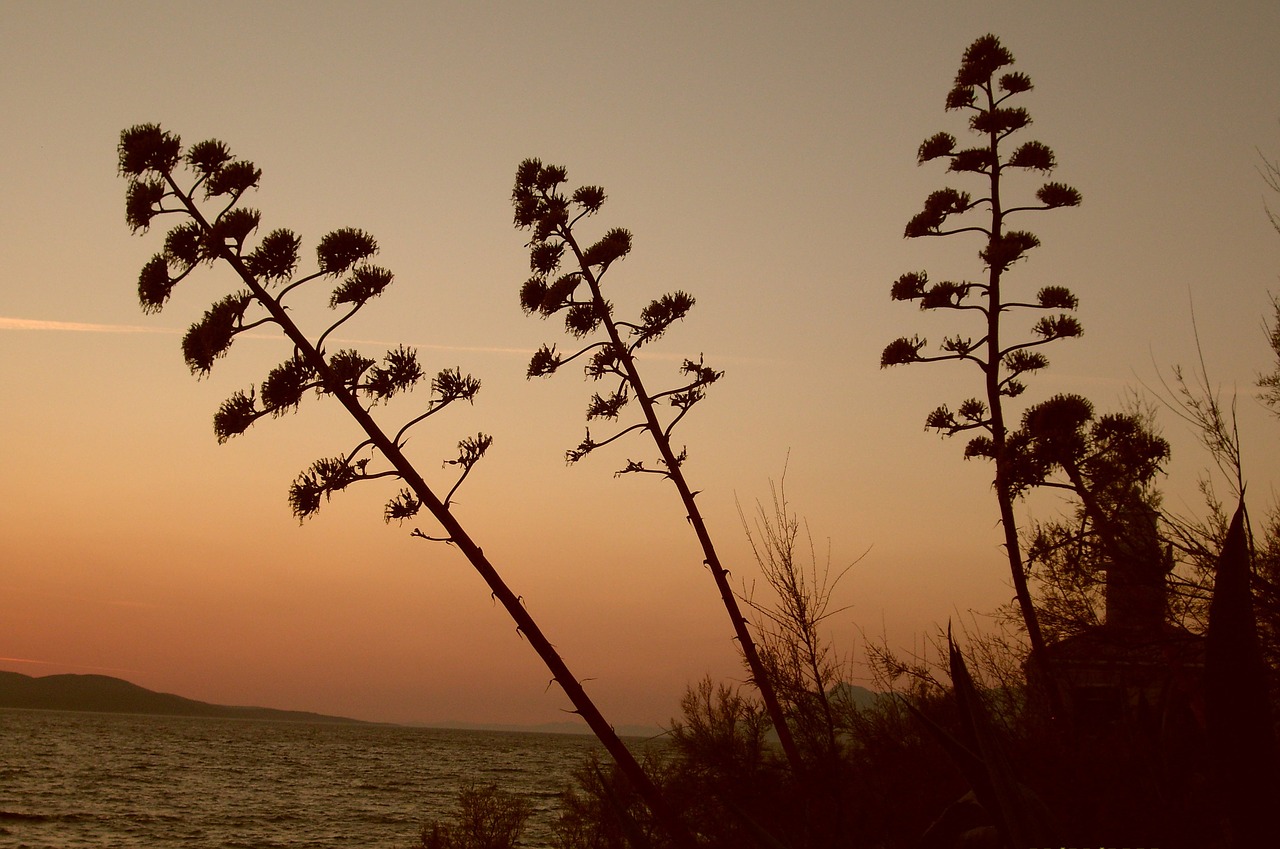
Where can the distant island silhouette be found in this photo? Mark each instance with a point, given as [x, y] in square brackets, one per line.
[104, 694]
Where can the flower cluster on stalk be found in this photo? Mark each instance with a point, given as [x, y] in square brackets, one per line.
[983, 91]
[201, 187]
[544, 208]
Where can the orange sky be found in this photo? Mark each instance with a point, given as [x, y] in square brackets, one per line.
[763, 157]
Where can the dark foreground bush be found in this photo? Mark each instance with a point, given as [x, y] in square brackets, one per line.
[487, 818]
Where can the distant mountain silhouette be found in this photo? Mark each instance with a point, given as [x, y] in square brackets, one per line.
[104, 694]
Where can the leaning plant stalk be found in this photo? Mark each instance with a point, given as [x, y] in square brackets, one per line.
[455, 534]
[759, 674]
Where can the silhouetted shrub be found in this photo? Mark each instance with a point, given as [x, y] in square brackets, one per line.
[487, 818]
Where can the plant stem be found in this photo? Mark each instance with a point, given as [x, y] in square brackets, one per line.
[525, 624]
[759, 674]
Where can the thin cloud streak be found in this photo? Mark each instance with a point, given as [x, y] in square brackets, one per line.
[10, 323]
[67, 665]
[34, 324]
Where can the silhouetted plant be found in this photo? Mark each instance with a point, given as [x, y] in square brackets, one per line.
[543, 207]
[1270, 383]
[1242, 737]
[487, 818]
[212, 227]
[982, 91]
[1109, 464]
[801, 661]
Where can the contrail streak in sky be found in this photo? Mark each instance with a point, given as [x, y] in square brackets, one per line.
[8, 323]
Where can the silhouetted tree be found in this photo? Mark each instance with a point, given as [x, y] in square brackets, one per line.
[1002, 363]
[1109, 463]
[201, 187]
[543, 207]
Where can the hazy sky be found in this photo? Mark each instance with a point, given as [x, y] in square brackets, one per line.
[763, 155]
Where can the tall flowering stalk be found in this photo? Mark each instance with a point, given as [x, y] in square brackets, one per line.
[543, 207]
[201, 187]
[1001, 362]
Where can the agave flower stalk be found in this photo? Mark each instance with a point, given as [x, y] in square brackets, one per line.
[153, 160]
[542, 206]
[981, 92]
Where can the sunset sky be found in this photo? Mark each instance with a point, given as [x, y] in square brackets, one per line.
[763, 156]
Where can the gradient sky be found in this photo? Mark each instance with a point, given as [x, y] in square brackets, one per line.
[763, 155]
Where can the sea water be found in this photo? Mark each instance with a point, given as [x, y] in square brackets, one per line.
[111, 780]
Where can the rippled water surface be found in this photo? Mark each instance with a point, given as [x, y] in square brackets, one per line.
[84, 779]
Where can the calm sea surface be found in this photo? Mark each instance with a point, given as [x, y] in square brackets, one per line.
[110, 780]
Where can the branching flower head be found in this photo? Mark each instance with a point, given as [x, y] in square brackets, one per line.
[398, 372]
[340, 250]
[142, 203]
[276, 257]
[146, 148]
[283, 388]
[154, 284]
[211, 336]
[363, 284]
[233, 178]
[544, 362]
[901, 351]
[318, 483]
[235, 415]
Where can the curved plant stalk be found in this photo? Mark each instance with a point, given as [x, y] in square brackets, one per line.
[149, 157]
[542, 206]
